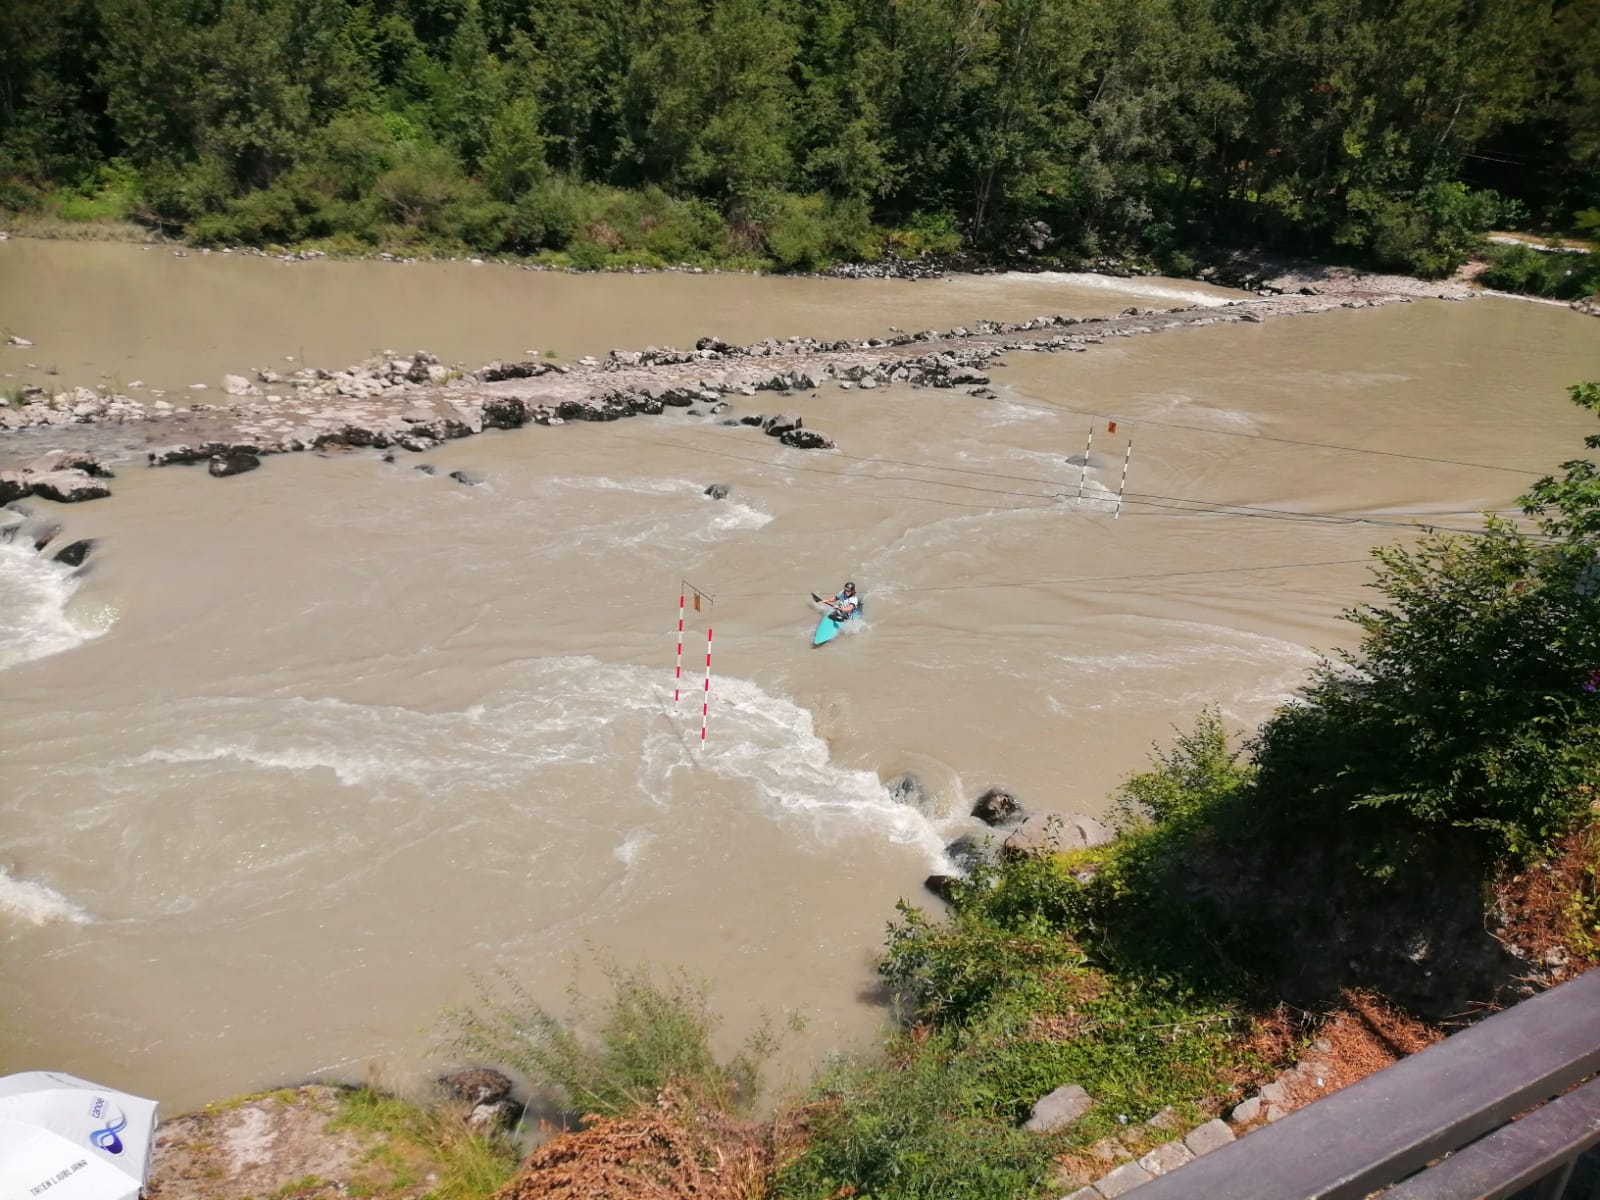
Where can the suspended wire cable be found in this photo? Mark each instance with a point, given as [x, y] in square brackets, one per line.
[1260, 437]
[1177, 504]
[1035, 583]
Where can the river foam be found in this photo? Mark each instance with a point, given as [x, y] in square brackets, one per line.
[1131, 286]
[36, 614]
[36, 904]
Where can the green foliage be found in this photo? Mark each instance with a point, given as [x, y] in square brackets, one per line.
[909, 1131]
[952, 970]
[811, 232]
[1199, 772]
[1007, 1008]
[466, 1166]
[1464, 706]
[1569, 507]
[642, 1037]
[1542, 273]
[1146, 129]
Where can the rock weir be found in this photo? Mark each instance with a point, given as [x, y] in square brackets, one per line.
[415, 403]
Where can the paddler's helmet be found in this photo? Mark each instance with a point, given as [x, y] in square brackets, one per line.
[850, 589]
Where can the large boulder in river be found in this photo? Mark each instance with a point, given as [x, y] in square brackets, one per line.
[232, 462]
[65, 460]
[1051, 833]
[68, 487]
[781, 423]
[807, 439]
[14, 486]
[505, 412]
[998, 807]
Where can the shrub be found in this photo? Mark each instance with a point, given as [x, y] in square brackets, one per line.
[811, 232]
[1541, 273]
[1198, 773]
[547, 217]
[646, 1036]
[1464, 705]
[908, 1133]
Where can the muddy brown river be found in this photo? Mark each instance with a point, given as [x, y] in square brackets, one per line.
[307, 748]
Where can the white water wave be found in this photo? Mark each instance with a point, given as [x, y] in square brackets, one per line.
[37, 904]
[1175, 293]
[36, 616]
[726, 516]
[554, 713]
[772, 742]
[1192, 411]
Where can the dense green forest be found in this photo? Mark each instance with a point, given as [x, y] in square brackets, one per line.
[1386, 131]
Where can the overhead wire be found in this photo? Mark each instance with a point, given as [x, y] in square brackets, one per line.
[1034, 583]
[1176, 504]
[1261, 437]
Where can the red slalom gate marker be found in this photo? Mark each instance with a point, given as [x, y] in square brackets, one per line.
[705, 705]
[677, 680]
[1126, 459]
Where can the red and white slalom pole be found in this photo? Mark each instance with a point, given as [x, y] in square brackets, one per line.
[705, 704]
[1126, 459]
[677, 679]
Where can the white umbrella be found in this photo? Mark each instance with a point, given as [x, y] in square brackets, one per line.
[64, 1138]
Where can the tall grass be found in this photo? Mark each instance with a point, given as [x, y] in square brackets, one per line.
[645, 1036]
[465, 1164]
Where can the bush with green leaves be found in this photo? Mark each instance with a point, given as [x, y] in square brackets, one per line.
[905, 1128]
[1004, 1007]
[644, 1036]
[1542, 273]
[1200, 771]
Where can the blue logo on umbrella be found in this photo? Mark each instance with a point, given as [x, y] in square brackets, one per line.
[105, 1138]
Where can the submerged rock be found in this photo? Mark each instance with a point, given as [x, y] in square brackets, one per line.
[718, 491]
[907, 789]
[74, 554]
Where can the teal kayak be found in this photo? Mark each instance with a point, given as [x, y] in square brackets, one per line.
[828, 627]
[827, 630]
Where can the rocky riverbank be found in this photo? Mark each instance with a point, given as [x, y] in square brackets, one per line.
[414, 402]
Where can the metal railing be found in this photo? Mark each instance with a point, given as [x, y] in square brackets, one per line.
[1482, 1115]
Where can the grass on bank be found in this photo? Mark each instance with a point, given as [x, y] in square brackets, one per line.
[409, 1140]
[645, 1035]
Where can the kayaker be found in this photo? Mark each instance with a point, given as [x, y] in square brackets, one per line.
[844, 605]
